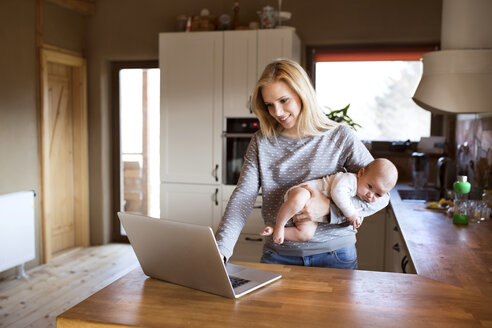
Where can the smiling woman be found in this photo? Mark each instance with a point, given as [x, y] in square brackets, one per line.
[378, 84]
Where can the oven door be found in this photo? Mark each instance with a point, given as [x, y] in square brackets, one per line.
[236, 145]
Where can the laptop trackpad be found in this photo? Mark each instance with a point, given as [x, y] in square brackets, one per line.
[233, 269]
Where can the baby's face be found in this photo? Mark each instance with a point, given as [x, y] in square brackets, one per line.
[370, 186]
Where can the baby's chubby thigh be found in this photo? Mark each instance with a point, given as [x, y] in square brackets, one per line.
[297, 197]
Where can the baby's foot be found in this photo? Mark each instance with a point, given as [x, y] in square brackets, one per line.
[267, 231]
[278, 236]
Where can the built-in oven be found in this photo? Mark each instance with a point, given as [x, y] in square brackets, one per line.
[237, 135]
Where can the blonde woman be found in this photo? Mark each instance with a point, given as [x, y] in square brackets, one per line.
[296, 143]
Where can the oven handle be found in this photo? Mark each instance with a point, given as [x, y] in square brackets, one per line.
[237, 135]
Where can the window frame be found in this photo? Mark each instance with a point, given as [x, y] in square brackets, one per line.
[372, 52]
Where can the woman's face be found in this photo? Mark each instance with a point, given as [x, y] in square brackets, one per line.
[283, 104]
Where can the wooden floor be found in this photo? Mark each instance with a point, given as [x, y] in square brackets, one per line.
[53, 288]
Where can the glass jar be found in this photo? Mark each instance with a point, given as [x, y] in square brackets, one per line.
[461, 190]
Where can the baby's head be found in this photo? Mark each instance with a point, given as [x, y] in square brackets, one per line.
[376, 179]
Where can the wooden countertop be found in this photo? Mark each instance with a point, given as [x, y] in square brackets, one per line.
[457, 255]
[304, 297]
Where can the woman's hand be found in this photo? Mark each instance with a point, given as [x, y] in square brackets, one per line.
[316, 207]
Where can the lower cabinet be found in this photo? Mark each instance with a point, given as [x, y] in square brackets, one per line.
[397, 258]
[371, 242]
[380, 245]
[191, 203]
[249, 248]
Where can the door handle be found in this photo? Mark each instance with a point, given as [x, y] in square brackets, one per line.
[404, 262]
[396, 247]
[253, 239]
[216, 196]
[216, 172]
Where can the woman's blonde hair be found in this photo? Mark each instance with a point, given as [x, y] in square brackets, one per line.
[312, 120]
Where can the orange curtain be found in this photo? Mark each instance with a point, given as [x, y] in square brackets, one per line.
[372, 54]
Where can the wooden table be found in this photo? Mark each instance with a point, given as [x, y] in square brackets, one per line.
[454, 254]
[304, 297]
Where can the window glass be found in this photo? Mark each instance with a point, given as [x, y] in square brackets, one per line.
[380, 97]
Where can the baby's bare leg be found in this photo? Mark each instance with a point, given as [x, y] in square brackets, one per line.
[302, 231]
[296, 200]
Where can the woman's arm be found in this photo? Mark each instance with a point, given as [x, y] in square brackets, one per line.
[241, 202]
[355, 156]
[316, 208]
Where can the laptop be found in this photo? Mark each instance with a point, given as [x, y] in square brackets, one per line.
[188, 255]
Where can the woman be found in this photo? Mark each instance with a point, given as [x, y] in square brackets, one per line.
[297, 142]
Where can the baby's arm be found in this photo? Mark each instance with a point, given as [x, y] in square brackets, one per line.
[343, 188]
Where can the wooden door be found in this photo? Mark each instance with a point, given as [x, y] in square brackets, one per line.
[64, 153]
[60, 177]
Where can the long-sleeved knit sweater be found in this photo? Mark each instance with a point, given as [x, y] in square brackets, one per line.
[275, 165]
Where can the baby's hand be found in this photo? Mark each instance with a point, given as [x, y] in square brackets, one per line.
[355, 220]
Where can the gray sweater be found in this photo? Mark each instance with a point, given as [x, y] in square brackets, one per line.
[275, 165]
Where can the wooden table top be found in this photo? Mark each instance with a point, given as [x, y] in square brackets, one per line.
[303, 297]
[440, 250]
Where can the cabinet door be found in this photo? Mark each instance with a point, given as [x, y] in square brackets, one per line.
[189, 203]
[274, 44]
[239, 72]
[191, 106]
[371, 242]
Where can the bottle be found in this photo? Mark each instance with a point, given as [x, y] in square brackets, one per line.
[461, 189]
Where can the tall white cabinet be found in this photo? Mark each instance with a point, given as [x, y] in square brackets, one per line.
[205, 77]
[246, 53]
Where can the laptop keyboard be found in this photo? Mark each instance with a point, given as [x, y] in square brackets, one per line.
[236, 282]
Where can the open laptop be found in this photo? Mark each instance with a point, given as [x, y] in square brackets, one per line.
[187, 255]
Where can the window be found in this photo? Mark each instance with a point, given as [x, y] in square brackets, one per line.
[378, 85]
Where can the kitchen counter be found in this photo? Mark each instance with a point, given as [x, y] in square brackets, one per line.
[457, 255]
[303, 297]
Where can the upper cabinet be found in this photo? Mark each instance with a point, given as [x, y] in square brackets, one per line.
[240, 67]
[246, 53]
[191, 106]
[279, 43]
[206, 76]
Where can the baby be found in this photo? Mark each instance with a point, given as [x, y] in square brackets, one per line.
[370, 183]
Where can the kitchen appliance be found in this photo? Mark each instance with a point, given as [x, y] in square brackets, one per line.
[237, 136]
[445, 176]
[420, 170]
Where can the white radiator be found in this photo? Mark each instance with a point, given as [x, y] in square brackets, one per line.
[17, 236]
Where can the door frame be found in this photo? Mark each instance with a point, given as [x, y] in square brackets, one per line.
[116, 66]
[50, 54]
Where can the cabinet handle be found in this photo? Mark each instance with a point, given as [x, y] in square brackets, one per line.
[216, 172]
[216, 196]
[396, 247]
[404, 262]
[253, 239]
[258, 206]
[395, 228]
[249, 106]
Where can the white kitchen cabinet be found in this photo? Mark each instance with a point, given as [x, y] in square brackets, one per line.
[191, 203]
[397, 257]
[240, 67]
[191, 106]
[246, 53]
[371, 242]
[277, 43]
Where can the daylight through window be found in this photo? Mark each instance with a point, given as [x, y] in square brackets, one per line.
[379, 92]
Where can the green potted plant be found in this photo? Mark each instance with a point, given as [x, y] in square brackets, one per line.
[340, 116]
